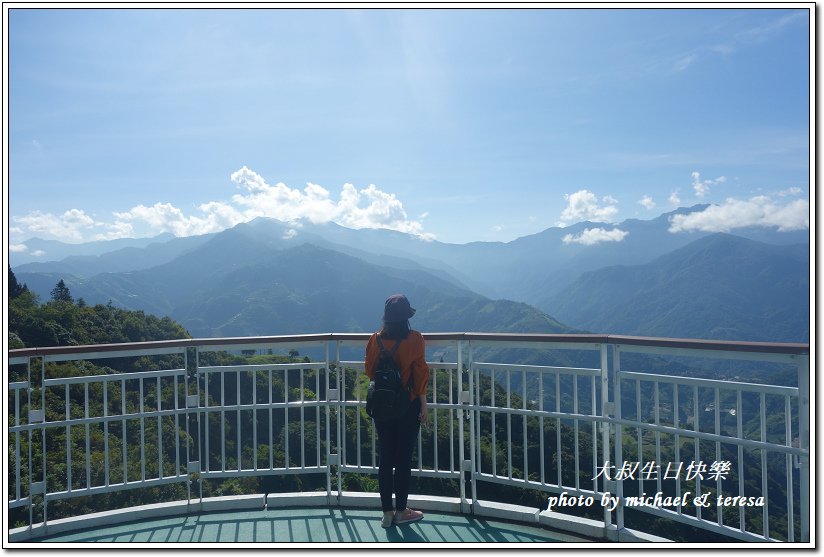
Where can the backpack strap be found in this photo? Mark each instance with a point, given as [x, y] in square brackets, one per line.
[383, 350]
[391, 353]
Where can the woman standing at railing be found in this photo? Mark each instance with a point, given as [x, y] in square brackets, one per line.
[396, 437]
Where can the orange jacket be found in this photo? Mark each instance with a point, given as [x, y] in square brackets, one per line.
[410, 356]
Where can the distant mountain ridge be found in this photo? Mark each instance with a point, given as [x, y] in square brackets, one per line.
[721, 287]
[314, 289]
[242, 284]
[129, 258]
[179, 277]
[529, 269]
[54, 250]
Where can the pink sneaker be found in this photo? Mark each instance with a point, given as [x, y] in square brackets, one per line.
[408, 515]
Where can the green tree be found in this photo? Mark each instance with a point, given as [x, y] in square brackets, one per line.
[60, 293]
[15, 342]
[15, 288]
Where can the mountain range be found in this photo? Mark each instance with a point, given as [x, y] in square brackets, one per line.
[242, 283]
[727, 288]
[270, 277]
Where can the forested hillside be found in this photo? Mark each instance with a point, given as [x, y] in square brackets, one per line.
[240, 284]
[64, 321]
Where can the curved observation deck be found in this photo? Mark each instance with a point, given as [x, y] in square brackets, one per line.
[533, 439]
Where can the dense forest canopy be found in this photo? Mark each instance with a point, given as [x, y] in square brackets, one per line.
[63, 321]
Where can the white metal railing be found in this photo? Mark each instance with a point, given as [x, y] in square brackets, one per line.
[589, 432]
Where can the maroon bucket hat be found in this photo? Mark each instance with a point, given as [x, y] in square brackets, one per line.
[397, 308]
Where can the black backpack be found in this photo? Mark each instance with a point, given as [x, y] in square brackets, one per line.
[387, 398]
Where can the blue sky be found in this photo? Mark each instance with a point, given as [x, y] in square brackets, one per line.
[457, 125]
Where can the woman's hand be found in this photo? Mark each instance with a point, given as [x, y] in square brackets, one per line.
[424, 415]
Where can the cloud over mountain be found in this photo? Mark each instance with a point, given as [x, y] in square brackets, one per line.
[585, 205]
[759, 211]
[370, 207]
[592, 236]
[73, 226]
[647, 202]
[366, 208]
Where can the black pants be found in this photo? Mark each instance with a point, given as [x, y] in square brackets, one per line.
[396, 441]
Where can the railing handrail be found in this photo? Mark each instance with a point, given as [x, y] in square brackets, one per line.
[654, 342]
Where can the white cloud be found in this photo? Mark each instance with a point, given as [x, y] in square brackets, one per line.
[165, 217]
[789, 192]
[592, 236]
[769, 29]
[38, 253]
[289, 234]
[723, 48]
[77, 218]
[684, 62]
[674, 199]
[71, 226]
[647, 202]
[365, 208]
[702, 187]
[116, 230]
[18, 248]
[734, 213]
[584, 205]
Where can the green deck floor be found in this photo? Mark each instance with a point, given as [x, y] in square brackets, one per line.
[312, 525]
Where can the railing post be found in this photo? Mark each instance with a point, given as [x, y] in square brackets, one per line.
[605, 426]
[326, 429]
[804, 443]
[333, 399]
[43, 482]
[30, 435]
[462, 482]
[200, 456]
[192, 402]
[328, 405]
[474, 460]
[339, 421]
[186, 402]
[619, 433]
[29, 420]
